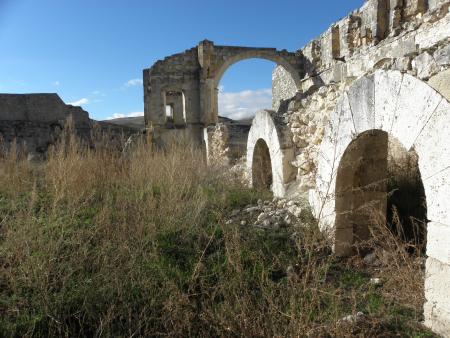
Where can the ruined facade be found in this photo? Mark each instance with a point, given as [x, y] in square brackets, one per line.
[360, 123]
[180, 92]
[35, 121]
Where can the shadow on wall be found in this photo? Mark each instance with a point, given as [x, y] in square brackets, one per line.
[378, 183]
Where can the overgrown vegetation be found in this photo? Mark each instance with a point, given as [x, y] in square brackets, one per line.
[94, 243]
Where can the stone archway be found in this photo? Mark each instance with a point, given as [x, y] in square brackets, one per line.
[419, 118]
[278, 140]
[197, 71]
[215, 60]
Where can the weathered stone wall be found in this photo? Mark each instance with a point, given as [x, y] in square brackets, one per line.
[35, 121]
[285, 87]
[415, 40]
[385, 67]
[410, 111]
[226, 142]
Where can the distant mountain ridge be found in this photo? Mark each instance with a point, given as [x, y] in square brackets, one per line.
[137, 122]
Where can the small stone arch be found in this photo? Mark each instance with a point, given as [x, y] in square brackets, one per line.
[418, 117]
[278, 140]
[262, 177]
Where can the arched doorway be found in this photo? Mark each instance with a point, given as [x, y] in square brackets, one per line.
[378, 184]
[262, 166]
[277, 139]
[417, 116]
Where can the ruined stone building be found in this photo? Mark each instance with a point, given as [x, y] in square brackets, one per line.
[35, 121]
[361, 117]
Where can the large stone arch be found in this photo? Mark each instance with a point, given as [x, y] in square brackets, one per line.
[197, 71]
[279, 141]
[289, 61]
[419, 118]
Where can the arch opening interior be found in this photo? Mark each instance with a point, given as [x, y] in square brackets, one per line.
[378, 184]
[244, 88]
[262, 176]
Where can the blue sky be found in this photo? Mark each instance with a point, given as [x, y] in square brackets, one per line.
[92, 52]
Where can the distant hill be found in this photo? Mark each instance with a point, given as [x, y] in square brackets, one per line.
[131, 122]
[138, 121]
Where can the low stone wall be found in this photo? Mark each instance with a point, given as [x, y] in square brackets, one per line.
[35, 121]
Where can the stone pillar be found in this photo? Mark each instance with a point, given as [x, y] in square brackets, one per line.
[206, 58]
[208, 102]
[192, 104]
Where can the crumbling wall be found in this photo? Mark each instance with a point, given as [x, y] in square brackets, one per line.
[409, 36]
[285, 88]
[195, 74]
[35, 121]
[227, 141]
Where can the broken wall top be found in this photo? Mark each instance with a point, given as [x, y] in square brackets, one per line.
[375, 21]
[38, 108]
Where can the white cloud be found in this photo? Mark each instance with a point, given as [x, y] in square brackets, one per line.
[79, 102]
[133, 82]
[56, 83]
[121, 115]
[244, 104]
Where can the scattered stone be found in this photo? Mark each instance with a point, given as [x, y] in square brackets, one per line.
[252, 209]
[266, 223]
[371, 259]
[351, 319]
[375, 281]
[235, 212]
[262, 216]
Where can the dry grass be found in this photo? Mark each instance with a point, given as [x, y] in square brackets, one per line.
[96, 244]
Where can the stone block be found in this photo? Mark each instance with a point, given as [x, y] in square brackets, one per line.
[437, 319]
[362, 103]
[438, 241]
[433, 141]
[437, 281]
[441, 83]
[426, 38]
[425, 66]
[437, 192]
[416, 102]
[442, 56]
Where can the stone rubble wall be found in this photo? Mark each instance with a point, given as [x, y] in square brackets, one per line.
[415, 40]
[226, 142]
[35, 121]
